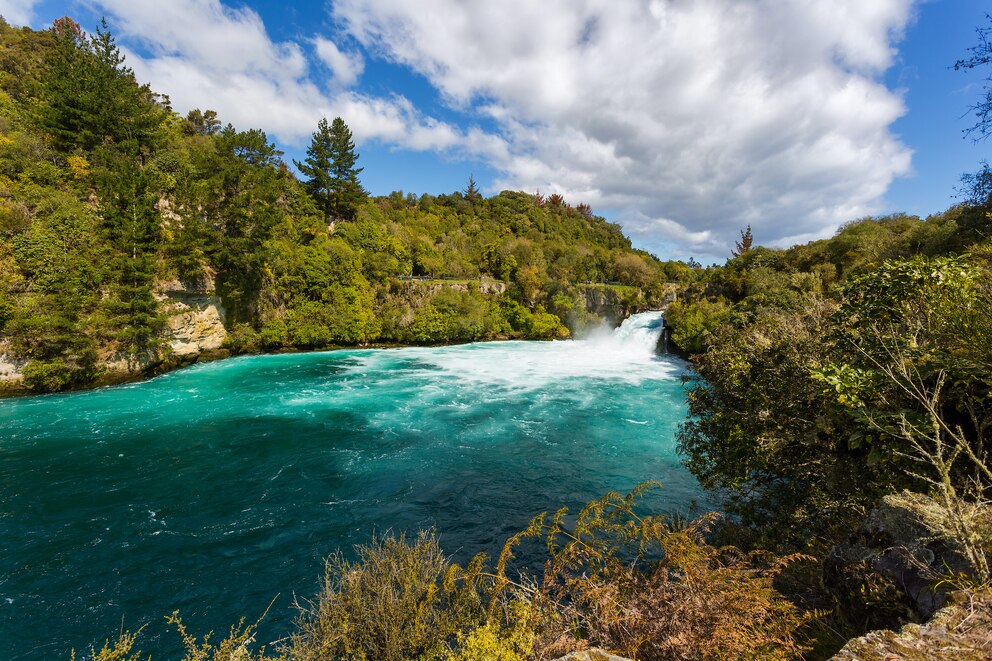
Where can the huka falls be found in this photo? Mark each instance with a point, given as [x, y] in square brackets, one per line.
[215, 489]
[355, 330]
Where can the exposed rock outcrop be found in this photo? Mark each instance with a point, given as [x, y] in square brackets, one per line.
[612, 303]
[594, 654]
[960, 631]
[884, 573]
[11, 366]
[417, 288]
[196, 316]
[194, 326]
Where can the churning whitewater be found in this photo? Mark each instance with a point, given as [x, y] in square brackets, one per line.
[213, 489]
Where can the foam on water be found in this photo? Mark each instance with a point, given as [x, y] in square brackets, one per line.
[627, 354]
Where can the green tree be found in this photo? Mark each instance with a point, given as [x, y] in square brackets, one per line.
[471, 191]
[202, 122]
[92, 97]
[744, 245]
[131, 225]
[330, 167]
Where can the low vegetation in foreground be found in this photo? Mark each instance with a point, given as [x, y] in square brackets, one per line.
[645, 586]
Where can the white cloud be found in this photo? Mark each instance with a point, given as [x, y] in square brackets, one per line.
[206, 54]
[691, 118]
[18, 12]
[346, 67]
[685, 118]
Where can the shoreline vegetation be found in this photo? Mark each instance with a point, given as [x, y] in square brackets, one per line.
[209, 356]
[840, 405]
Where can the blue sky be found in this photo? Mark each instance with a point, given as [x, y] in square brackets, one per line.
[683, 120]
[937, 100]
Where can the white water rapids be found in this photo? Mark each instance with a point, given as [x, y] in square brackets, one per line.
[628, 354]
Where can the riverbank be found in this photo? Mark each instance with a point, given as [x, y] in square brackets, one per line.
[196, 330]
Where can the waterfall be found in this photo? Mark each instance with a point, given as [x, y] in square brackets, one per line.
[641, 333]
[628, 353]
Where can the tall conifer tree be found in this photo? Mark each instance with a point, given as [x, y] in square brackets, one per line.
[330, 167]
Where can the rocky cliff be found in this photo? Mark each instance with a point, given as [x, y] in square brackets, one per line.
[892, 570]
[194, 327]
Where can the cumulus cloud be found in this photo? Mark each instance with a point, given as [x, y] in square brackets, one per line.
[206, 54]
[346, 67]
[18, 12]
[690, 118]
[686, 119]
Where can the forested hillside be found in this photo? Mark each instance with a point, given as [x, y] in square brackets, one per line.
[121, 221]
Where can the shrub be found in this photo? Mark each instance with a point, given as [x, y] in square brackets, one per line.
[121, 649]
[54, 375]
[694, 322]
[649, 587]
[392, 604]
[243, 339]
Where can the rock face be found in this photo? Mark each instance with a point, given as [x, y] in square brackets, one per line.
[884, 573]
[419, 288]
[960, 631]
[10, 366]
[609, 303]
[196, 317]
[194, 326]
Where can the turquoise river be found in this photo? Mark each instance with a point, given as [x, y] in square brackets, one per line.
[213, 489]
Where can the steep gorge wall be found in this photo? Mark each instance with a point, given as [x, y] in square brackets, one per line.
[194, 327]
[617, 302]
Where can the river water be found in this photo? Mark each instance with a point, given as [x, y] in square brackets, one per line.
[213, 489]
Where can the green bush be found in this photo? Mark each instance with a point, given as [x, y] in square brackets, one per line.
[53, 375]
[243, 339]
[693, 322]
[392, 604]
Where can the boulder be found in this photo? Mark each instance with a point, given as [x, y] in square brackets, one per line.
[961, 631]
[885, 573]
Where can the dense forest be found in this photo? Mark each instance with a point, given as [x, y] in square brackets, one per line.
[830, 377]
[108, 197]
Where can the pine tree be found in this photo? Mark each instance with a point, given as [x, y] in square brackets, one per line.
[330, 168]
[472, 193]
[91, 97]
[744, 245]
